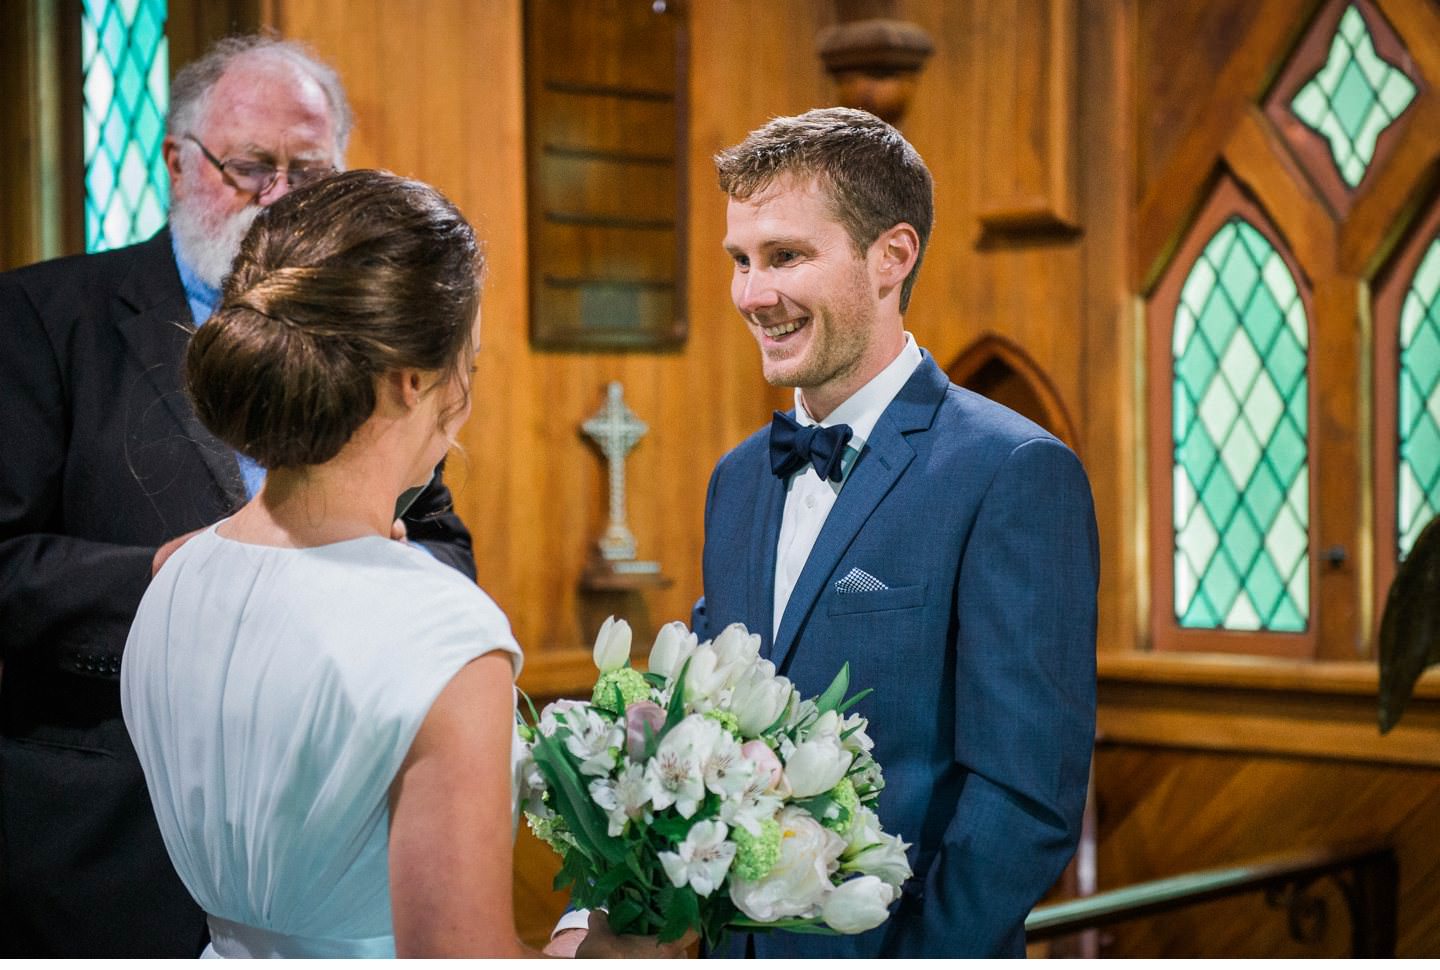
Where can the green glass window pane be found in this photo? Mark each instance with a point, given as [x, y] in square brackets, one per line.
[1353, 98]
[126, 90]
[1418, 404]
[1240, 463]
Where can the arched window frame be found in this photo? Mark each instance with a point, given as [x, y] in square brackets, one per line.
[1226, 200]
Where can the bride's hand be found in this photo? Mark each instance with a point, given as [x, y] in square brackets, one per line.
[602, 942]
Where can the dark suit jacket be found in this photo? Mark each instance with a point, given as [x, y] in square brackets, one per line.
[981, 650]
[103, 461]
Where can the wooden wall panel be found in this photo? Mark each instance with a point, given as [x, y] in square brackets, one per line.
[1165, 811]
[437, 88]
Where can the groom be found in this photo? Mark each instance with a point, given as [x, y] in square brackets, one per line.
[941, 544]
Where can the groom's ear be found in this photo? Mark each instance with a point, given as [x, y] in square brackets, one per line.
[893, 255]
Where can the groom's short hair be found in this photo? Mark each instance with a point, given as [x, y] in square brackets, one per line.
[872, 177]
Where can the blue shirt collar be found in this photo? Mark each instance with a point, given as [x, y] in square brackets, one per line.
[202, 297]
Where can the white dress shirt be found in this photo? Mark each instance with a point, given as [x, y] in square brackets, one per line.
[809, 499]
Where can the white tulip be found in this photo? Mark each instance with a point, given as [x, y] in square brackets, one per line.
[673, 646]
[612, 645]
[736, 650]
[816, 766]
[857, 905]
[760, 698]
[800, 879]
[704, 680]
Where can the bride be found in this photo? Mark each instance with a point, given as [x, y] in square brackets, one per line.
[324, 714]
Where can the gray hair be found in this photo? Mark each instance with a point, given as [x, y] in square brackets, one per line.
[190, 90]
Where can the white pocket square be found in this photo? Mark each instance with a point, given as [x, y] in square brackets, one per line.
[858, 580]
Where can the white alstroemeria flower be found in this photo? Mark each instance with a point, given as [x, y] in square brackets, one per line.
[747, 811]
[817, 765]
[869, 850]
[623, 799]
[800, 879]
[760, 698]
[676, 774]
[594, 739]
[612, 645]
[727, 771]
[550, 715]
[673, 646]
[530, 786]
[703, 858]
[857, 905]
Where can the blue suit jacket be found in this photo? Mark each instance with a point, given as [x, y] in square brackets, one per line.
[981, 650]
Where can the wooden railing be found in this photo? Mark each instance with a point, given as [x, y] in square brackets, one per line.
[1368, 876]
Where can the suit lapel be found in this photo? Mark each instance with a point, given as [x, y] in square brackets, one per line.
[154, 320]
[765, 536]
[881, 464]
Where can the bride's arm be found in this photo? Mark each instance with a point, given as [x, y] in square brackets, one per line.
[450, 817]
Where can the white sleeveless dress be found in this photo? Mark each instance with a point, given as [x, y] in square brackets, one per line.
[272, 695]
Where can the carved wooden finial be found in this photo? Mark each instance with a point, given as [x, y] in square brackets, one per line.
[874, 56]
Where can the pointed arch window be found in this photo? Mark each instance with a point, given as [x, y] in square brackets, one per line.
[1407, 395]
[126, 88]
[1230, 327]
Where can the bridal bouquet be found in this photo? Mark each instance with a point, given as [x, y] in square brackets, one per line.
[707, 795]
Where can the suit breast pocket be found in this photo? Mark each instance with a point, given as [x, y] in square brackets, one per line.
[877, 600]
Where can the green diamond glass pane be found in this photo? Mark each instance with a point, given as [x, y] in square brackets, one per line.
[1353, 98]
[126, 90]
[1418, 404]
[1240, 465]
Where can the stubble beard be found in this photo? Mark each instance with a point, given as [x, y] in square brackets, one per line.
[208, 242]
[837, 343]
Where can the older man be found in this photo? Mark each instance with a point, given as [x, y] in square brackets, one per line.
[104, 465]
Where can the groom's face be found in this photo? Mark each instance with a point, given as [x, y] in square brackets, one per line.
[807, 295]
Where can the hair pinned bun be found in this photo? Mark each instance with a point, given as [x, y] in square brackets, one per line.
[336, 284]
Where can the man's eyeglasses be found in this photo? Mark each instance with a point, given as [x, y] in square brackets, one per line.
[255, 177]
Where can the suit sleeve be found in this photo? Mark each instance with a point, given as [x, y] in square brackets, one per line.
[63, 599]
[699, 622]
[432, 522]
[1024, 703]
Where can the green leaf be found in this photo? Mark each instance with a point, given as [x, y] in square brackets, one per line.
[606, 885]
[682, 915]
[626, 916]
[656, 681]
[851, 703]
[835, 693]
[673, 827]
[582, 815]
[675, 713]
[810, 926]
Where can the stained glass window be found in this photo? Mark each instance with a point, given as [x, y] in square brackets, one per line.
[1353, 98]
[1241, 460]
[1417, 498]
[125, 60]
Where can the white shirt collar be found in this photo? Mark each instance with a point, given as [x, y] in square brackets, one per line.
[862, 409]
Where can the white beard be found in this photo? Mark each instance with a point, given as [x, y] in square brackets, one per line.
[208, 244]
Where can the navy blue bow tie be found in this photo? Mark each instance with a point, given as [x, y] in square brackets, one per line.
[793, 444]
